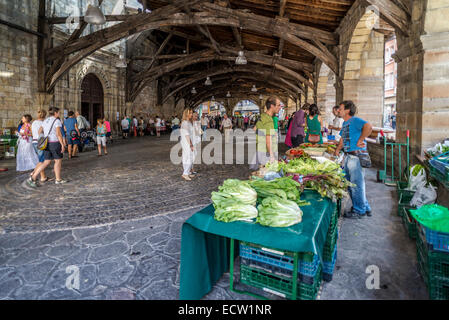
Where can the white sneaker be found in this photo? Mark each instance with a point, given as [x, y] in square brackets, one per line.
[60, 181]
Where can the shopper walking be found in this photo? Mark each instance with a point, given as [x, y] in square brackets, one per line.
[72, 134]
[158, 126]
[353, 134]
[101, 136]
[187, 144]
[226, 125]
[204, 125]
[81, 122]
[175, 123]
[196, 139]
[35, 127]
[108, 130]
[314, 125]
[297, 132]
[51, 128]
[125, 127]
[27, 158]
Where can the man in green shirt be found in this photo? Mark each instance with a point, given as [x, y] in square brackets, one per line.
[266, 135]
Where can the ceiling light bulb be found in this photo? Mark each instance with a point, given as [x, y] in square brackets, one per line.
[261, 97]
[193, 90]
[254, 89]
[241, 59]
[94, 15]
[208, 82]
[228, 94]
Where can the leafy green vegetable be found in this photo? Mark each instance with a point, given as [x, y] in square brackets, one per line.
[277, 212]
[232, 210]
[416, 169]
[236, 189]
[235, 200]
[285, 188]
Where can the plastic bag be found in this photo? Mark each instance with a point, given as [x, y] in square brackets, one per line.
[424, 195]
[433, 216]
[418, 181]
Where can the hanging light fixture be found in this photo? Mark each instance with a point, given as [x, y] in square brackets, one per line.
[228, 95]
[208, 82]
[241, 59]
[261, 97]
[193, 90]
[94, 15]
[254, 89]
[212, 99]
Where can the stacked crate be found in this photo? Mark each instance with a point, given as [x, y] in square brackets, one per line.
[433, 260]
[271, 270]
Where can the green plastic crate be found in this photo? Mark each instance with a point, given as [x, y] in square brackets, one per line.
[404, 202]
[436, 263]
[409, 223]
[283, 285]
[437, 287]
[401, 187]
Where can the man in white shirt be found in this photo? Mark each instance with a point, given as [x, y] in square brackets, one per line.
[51, 128]
[81, 122]
[175, 123]
[337, 124]
[125, 127]
[204, 125]
[226, 124]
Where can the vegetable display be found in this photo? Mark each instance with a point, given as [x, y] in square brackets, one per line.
[231, 210]
[278, 212]
[326, 178]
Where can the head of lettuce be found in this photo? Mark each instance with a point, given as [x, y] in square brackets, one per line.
[278, 212]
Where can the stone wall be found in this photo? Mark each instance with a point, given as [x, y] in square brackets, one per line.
[18, 62]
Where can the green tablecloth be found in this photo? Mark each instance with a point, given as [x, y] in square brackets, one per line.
[205, 242]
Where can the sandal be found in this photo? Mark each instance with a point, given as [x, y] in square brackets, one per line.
[46, 179]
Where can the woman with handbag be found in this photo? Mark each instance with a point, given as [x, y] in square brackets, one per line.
[54, 147]
[27, 158]
[314, 125]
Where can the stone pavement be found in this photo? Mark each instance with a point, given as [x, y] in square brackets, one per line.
[119, 223]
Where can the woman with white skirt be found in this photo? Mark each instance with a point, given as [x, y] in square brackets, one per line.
[187, 144]
[27, 158]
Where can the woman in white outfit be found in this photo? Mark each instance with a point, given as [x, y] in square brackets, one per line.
[197, 132]
[187, 144]
[27, 158]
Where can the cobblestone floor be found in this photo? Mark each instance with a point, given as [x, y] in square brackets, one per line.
[119, 221]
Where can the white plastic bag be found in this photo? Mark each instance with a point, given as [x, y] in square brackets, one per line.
[424, 195]
[418, 181]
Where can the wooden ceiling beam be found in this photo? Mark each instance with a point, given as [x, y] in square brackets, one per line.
[393, 14]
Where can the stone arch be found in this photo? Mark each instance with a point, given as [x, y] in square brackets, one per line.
[326, 93]
[90, 67]
[363, 70]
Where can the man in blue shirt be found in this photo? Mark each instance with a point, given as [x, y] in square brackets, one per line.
[353, 134]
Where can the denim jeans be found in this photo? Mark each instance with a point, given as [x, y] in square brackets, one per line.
[355, 174]
[204, 128]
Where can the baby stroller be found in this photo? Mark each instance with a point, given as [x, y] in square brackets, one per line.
[87, 140]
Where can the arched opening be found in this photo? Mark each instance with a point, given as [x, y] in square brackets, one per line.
[210, 108]
[245, 108]
[363, 80]
[92, 99]
[326, 93]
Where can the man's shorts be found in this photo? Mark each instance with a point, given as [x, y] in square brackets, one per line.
[125, 130]
[73, 138]
[108, 134]
[101, 141]
[53, 151]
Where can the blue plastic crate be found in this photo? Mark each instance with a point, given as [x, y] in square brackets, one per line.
[437, 241]
[280, 261]
[328, 266]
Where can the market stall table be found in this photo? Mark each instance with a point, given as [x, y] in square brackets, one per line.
[205, 253]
